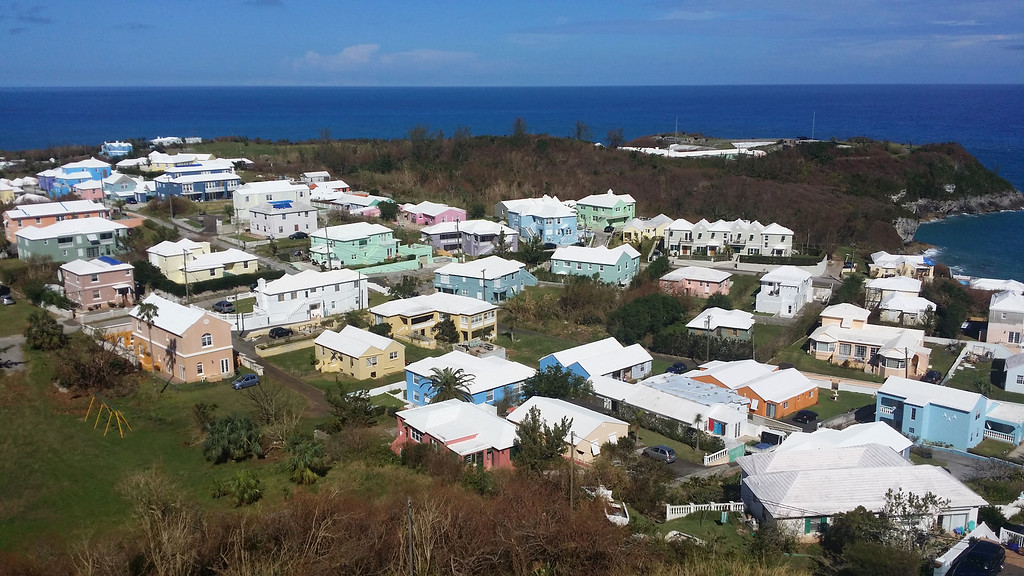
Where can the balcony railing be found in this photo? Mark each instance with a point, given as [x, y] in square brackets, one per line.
[1000, 436]
[887, 410]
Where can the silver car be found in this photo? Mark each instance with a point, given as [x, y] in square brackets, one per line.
[660, 452]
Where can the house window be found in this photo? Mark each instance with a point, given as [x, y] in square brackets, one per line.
[415, 434]
[913, 413]
[415, 396]
[371, 361]
[785, 404]
[95, 278]
[225, 365]
[199, 368]
[95, 294]
[490, 395]
[392, 355]
[860, 352]
[207, 339]
[1020, 380]
[1014, 338]
[844, 349]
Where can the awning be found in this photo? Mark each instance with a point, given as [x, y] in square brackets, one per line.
[92, 237]
[120, 287]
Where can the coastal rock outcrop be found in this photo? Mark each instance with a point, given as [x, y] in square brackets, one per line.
[933, 209]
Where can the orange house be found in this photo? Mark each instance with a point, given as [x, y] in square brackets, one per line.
[39, 215]
[773, 393]
[185, 344]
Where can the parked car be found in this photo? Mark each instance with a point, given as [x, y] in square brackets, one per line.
[246, 381]
[254, 286]
[298, 236]
[805, 416]
[678, 368]
[131, 201]
[224, 307]
[660, 452]
[982, 558]
[279, 332]
[932, 377]
[609, 229]
[7, 300]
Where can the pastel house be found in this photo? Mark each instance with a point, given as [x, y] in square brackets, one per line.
[430, 213]
[295, 298]
[71, 239]
[605, 357]
[845, 338]
[906, 310]
[414, 318]
[89, 190]
[185, 344]
[547, 219]
[721, 323]
[170, 257]
[358, 353]
[608, 209]
[491, 279]
[473, 237]
[588, 431]
[696, 281]
[1015, 373]
[1006, 319]
[116, 149]
[773, 393]
[255, 193]
[230, 262]
[492, 377]
[97, 282]
[638, 229]
[357, 244]
[784, 292]
[198, 187]
[281, 218]
[885, 265]
[63, 179]
[472, 432]
[119, 186]
[617, 265]
[877, 290]
[47, 213]
[932, 413]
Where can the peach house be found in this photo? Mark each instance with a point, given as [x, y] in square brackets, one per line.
[188, 344]
[471, 431]
[773, 393]
[696, 281]
[98, 282]
[47, 213]
[89, 190]
[429, 213]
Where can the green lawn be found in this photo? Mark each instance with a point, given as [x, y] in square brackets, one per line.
[529, 348]
[980, 380]
[926, 460]
[940, 359]
[283, 245]
[992, 448]
[707, 527]
[684, 451]
[244, 306]
[387, 400]
[827, 408]
[297, 362]
[742, 291]
[659, 366]
[376, 298]
[798, 357]
[14, 318]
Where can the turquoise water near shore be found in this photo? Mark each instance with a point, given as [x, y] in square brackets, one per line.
[985, 245]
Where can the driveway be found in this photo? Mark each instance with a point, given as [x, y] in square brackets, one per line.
[316, 400]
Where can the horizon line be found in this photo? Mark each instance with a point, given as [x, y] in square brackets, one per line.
[497, 86]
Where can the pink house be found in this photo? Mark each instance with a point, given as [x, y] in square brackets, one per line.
[473, 432]
[429, 213]
[183, 343]
[89, 190]
[98, 282]
[696, 281]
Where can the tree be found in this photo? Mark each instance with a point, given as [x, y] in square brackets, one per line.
[538, 444]
[353, 409]
[44, 333]
[450, 384]
[245, 488]
[148, 312]
[307, 461]
[445, 331]
[850, 290]
[555, 382]
[519, 129]
[382, 329]
[87, 367]
[232, 438]
[616, 138]
[582, 132]
[698, 419]
[406, 288]
[645, 315]
[476, 211]
[388, 210]
[719, 300]
[856, 526]
[531, 251]
[771, 542]
[501, 247]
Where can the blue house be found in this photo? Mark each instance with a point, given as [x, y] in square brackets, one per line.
[116, 149]
[492, 377]
[617, 265]
[546, 218]
[603, 358]
[64, 178]
[931, 413]
[211, 180]
[491, 279]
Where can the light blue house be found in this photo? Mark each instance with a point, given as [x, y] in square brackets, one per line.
[613, 266]
[491, 279]
[201, 181]
[65, 177]
[606, 358]
[116, 149]
[931, 413]
[546, 218]
[492, 377]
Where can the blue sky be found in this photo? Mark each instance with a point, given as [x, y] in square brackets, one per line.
[517, 43]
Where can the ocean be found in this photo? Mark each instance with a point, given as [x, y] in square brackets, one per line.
[985, 119]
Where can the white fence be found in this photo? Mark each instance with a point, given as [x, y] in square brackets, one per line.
[720, 457]
[673, 512]
[1000, 436]
[1008, 537]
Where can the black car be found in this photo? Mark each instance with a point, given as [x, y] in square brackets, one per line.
[279, 332]
[982, 558]
[805, 416]
[609, 229]
[298, 236]
[677, 368]
[932, 377]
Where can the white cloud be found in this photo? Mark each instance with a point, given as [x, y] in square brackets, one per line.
[955, 23]
[351, 58]
[366, 56]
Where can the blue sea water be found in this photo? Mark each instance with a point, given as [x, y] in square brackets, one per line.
[986, 119]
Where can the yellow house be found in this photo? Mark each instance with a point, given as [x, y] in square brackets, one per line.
[589, 429]
[638, 229]
[230, 262]
[170, 257]
[358, 353]
[413, 319]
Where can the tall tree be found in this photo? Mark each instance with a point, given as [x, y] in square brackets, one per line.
[582, 132]
[537, 444]
[147, 315]
[445, 331]
[448, 384]
[388, 210]
[555, 382]
[616, 138]
[44, 333]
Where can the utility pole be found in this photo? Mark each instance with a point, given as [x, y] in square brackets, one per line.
[184, 269]
[411, 569]
[707, 328]
[572, 468]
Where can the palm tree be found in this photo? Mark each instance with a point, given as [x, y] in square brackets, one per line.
[697, 420]
[147, 314]
[307, 462]
[449, 384]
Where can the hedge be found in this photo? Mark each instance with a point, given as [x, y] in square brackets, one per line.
[670, 428]
[798, 260]
[147, 274]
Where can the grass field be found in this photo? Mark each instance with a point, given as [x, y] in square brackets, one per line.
[683, 451]
[827, 408]
[297, 362]
[707, 527]
[529, 347]
[992, 448]
[14, 318]
[799, 358]
[940, 359]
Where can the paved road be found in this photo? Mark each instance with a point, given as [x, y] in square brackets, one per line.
[316, 401]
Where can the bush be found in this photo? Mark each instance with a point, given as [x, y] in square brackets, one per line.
[797, 260]
[149, 275]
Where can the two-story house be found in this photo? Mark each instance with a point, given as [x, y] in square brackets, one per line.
[720, 323]
[97, 282]
[358, 353]
[230, 262]
[282, 218]
[185, 344]
[472, 432]
[356, 244]
[784, 291]
[170, 257]
[295, 298]
[198, 185]
[89, 190]
[71, 239]
[430, 213]
[116, 149]
[696, 281]
[609, 209]
[932, 413]
[255, 193]
[47, 213]
[414, 319]
[119, 186]
[606, 358]
[1006, 320]
[491, 279]
[876, 290]
[473, 237]
[845, 338]
[63, 179]
[315, 177]
[885, 265]
[638, 229]
[617, 265]
[546, 218]
[490, 377]
[704, 238]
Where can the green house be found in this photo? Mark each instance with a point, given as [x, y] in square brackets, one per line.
[612, 266]
[348, 245]
[609, 209]
[69, 240]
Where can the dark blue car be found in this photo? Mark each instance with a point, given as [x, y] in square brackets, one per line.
[245, 381]
[678, 368]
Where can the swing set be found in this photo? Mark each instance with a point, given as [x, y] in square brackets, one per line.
[112, 415]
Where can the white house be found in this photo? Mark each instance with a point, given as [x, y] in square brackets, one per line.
[315, 177]
[255, 193]
[784, 291]
[1006, 319]
[603, 358]
[856, 435]
[906, 310]
[877, 290]
[282, 218]
[683, 238]
[295, 298]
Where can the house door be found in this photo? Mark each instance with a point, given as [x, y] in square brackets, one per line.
[769, 409]
[719, 428]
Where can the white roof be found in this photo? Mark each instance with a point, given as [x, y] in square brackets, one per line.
[995, 284]
[1006, 302]
[680, 224]
[56, 209]
[308, 279]
[697, 273]
[90, 163]
[171, 316]
[920, 393]
[354, 231]
[897, 283]
[732, 374]
[90, 184]
[270, 187]
[281, 207]
[330, 185]
[438, 301]
[606, 200]
[194, 178]
[885, 260]
[465, 428]
[832, 458]
[317, 174]
[479, 227]
[720, 318]
[788, 275]
[72, 227]
[603, 357]
[487, 268]
[168, 248]
[892, 341]
[846, 311]
[544, 207]
[905, 303]
[352, 341]
[95, 266]
[781, 385]
[596, 255]
[218, 259]
[428, 208]
[642, 223]
[672, 401]
[346, 199]
[774, 228]
[552, 410]
[856, 435]
[1007, 411]
[488, 373]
